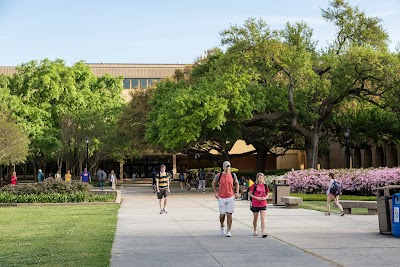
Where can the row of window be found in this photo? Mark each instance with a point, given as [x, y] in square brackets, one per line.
[133, 83]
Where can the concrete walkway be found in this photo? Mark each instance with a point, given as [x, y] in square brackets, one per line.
[189, 235]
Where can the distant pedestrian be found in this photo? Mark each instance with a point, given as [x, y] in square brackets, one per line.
[181, 179]
[85, 176]
[259, 193]
[153, 176]
[105, 177]
[162, 185]
[202, 180]
[228, 188]
[246, 188]
[68, 177]
[40, 176]
[13, 179]
[58, 175]
[112, 177]
[332, 195]
[124, 177]
[101, 178]
[188, 179]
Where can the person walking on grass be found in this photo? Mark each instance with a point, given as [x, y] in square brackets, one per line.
[162, 186]
[332, 193]
[226, 195]
[259, 193]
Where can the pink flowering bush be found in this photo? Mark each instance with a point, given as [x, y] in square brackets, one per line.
[354, 181]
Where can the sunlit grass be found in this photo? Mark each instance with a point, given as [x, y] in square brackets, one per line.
[57, 235]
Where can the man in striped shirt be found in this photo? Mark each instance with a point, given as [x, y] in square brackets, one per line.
[162, 185]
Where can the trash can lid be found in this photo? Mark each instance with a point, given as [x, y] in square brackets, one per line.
[385, 190]
[281, 181]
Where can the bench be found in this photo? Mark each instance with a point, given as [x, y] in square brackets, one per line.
[347, 205]
[291, 202]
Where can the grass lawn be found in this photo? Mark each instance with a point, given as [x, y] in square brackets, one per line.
[57, 235]
[321, 206]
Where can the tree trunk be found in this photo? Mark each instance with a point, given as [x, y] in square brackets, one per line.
[312, 151]
[261, 159]
[35, 178]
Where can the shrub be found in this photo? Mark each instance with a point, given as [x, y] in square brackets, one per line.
[51, 191]
[7, 197]
[52, 185]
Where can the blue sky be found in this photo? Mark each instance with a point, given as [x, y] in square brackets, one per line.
[174, 31]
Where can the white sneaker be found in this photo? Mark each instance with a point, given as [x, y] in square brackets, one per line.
[223, 232]
[228, 234]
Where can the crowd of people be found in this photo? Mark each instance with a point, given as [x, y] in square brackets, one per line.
[227, 188]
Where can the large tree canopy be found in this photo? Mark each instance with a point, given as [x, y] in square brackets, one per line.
[266, 76]
[61, 106]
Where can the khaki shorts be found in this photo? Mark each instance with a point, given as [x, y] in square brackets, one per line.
[163, 193]
[226, 205]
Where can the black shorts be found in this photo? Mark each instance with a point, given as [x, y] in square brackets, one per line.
[257, 209]
[163, 193]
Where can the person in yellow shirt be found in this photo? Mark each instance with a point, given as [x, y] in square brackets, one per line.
[250, 183]
[68, 177]
[245, 190]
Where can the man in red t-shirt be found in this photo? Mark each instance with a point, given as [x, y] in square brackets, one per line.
[226, 196]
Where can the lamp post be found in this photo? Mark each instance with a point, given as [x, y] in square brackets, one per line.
[87, 151]
[347, 151]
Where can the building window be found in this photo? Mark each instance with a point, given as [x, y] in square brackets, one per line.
[133, 83]
[127, 84]
[143, 83]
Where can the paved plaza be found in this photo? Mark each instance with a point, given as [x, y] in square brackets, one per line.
[189, 235]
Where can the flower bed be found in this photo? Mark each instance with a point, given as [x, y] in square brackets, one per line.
[354, 181]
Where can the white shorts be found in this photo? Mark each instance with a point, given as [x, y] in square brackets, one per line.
[226, 205]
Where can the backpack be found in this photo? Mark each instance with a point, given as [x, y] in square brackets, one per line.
[233, 176]
[336, 188]
[255, 188]
[202, 175]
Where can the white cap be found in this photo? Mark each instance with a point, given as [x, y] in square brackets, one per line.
[226, 163]
[40, 170]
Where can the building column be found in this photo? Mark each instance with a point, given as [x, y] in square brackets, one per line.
[174, 165]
